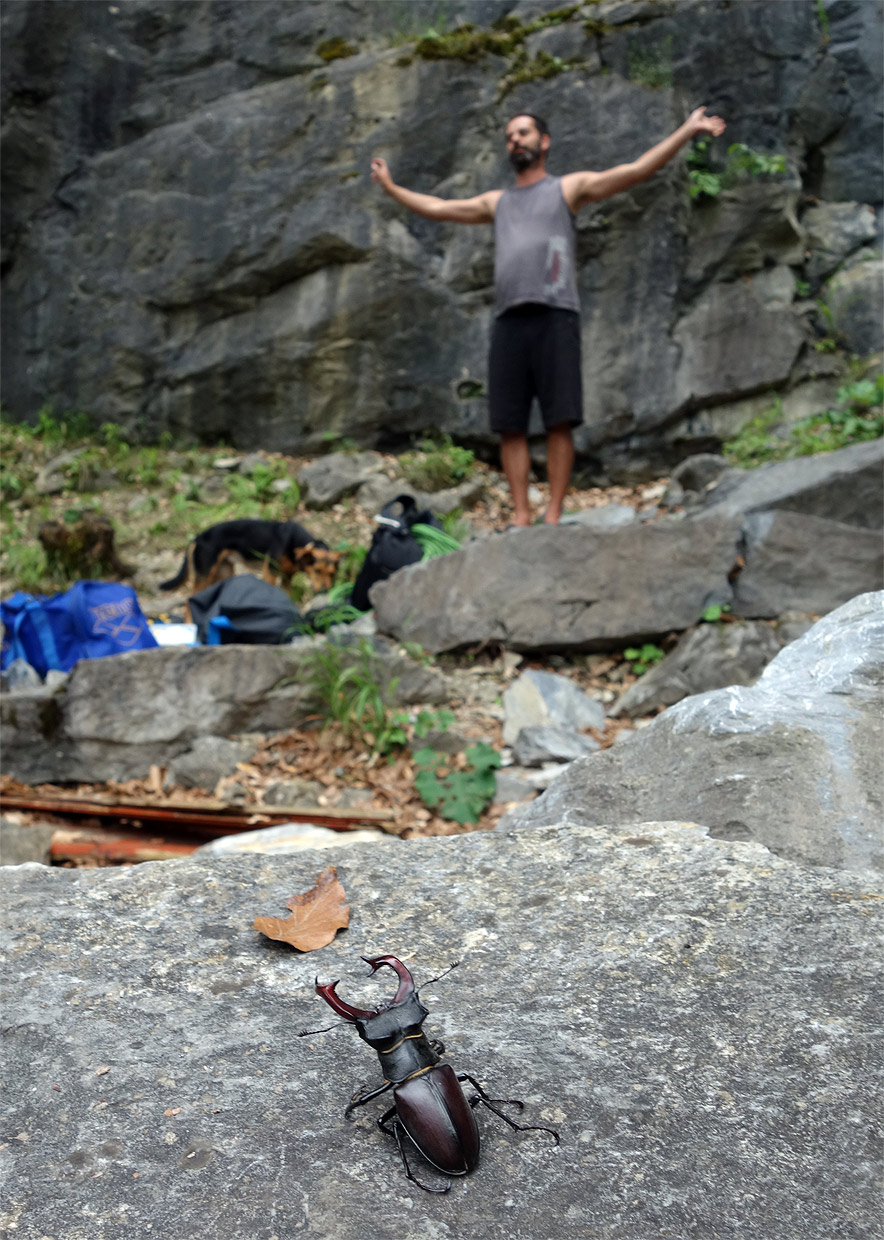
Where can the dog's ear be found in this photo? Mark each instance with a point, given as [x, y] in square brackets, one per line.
[304, 553]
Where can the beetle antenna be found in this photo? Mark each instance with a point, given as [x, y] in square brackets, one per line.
[453, 965]
[306, 1033]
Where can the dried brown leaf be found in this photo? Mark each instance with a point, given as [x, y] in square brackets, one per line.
[317, 915]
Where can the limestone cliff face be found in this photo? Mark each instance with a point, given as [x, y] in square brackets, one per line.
[193, 242]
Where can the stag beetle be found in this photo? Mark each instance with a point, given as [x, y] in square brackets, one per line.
[429, 1106]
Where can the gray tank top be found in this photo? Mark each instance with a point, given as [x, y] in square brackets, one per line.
[534, 260]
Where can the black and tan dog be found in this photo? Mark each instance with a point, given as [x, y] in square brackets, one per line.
[284, 546]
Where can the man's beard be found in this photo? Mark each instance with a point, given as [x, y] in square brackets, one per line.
[523, 158]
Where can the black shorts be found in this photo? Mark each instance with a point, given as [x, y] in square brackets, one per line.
[535, 351]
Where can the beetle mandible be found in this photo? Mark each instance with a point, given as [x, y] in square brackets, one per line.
[429, 1106]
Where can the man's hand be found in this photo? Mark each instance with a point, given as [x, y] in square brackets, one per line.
[579, 188]
[701, 123]
[381, 173]
[479, 210]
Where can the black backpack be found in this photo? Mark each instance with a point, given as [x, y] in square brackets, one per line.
[393, 545]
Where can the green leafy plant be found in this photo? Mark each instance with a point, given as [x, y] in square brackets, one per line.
[641, 658]
[469, 43]
[115, 441]
[459, 793]
[344, 681]
[714, 612]
[524, 69]
[260, 485]
[742, 162]
[437, 465]
[12, 482]
[652, 66]
[25, 568]
[351, 561]
[432, 721]
[823, 19]
[334, 441]
[858, 416]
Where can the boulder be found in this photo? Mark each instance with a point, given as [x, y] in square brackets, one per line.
[563, 588]
[794, 761]
[381, 490]
[835, 230]
[329, 478]
[846, 486]
[699, 471]
[552, 743]
[539, 698]
[796, 562]
[711, 656]
[690, 1014]
[114, 718]
[21, 843]
[209, 759]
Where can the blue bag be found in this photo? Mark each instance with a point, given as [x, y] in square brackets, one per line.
[91, 620]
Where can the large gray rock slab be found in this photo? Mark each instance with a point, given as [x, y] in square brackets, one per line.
[114, 718]
[563, 588]
[796, 562]
[691, 1014]
[846, 485]
[794, 761]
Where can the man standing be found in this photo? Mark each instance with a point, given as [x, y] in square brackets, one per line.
[535, 341]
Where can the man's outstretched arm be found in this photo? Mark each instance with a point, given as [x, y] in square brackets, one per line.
[580, 188]
[479, 210]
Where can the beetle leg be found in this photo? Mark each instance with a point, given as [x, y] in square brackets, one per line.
[390, 1124]
[482, 1097]
[361, 1097]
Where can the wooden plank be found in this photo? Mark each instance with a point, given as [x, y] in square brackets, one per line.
[67, 845]
[225, 821]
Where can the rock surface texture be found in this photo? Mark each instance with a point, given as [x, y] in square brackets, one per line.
[192, 241]
[794, 761]
[693, 1015]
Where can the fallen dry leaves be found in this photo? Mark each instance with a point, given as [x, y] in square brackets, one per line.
[316, 917]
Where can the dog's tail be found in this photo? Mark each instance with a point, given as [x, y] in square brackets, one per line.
[179, 579]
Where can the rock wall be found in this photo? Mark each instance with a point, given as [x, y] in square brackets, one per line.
[193, 243]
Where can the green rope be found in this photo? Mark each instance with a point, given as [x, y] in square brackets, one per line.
[434, 542]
